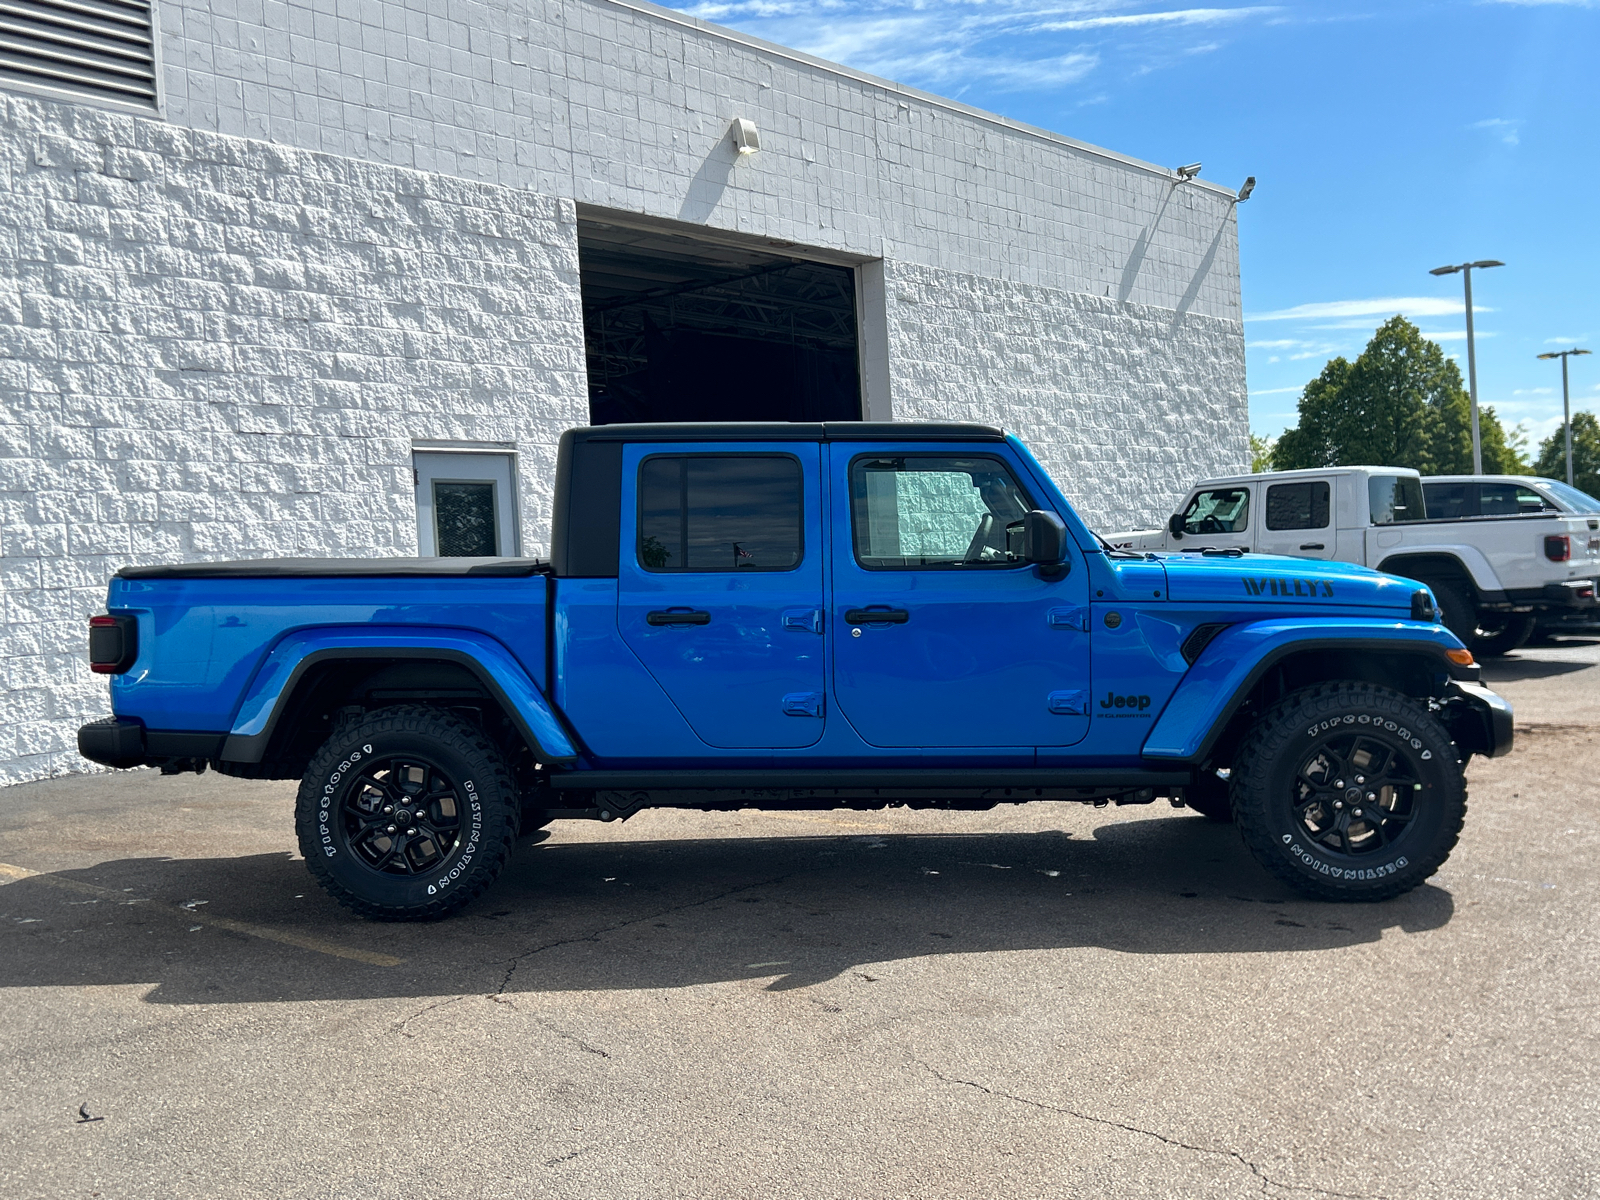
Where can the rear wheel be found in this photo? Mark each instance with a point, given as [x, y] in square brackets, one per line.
[1501, 633]
[406, 814]
[1349, 791]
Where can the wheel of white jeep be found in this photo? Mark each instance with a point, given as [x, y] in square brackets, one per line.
[406, 814]
[1349, 791]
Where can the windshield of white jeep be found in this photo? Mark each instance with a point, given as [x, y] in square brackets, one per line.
[1395, 499]
[1218, 510]
[1570, 496]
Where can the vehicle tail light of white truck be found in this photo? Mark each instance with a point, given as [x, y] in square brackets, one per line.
[1557, 547]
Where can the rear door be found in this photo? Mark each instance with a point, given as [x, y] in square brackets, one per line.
[1297, 519]
[942, 635]
[720, 587]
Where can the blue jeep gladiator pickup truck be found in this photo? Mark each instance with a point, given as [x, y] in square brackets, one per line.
[800, 616]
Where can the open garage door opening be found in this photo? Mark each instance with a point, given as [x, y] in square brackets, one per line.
[679, 329]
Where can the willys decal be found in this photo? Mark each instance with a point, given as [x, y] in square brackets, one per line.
[1270, 585]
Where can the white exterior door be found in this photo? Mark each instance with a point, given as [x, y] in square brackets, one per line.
[466, 504]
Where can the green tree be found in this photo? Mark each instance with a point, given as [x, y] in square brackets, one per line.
[1585, 454]
[1261, 452]
[1400, 404]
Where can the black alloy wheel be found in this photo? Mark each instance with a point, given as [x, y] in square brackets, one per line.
[1349, 791]
[406, 814]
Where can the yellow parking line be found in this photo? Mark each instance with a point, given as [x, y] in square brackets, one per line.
[14, 873]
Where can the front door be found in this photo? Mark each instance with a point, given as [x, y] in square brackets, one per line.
[720, 587]
[942, 635]
[1218, 518]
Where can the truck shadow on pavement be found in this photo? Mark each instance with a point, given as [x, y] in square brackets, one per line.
[782, 912]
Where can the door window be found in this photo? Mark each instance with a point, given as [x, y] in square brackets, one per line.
[936, 512]
[466, 504]
[1297, 505]
[1448, 501]
[719, 512]
[1218, 510]
[1396, 499]
[1509, 500]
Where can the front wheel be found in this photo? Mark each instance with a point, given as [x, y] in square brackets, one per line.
[406, 814]
[1349, 791]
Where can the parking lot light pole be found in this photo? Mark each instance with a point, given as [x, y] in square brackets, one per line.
[1472, 358]
[1566, 402]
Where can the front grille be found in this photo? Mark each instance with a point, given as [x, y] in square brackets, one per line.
[91, 49]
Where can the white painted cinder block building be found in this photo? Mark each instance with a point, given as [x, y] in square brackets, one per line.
[329, 277]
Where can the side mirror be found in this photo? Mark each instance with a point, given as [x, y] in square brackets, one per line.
[1044, 538]
[1175, 525]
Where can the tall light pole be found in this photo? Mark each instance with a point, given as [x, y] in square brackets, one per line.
[1472, 358]
[1566, 403]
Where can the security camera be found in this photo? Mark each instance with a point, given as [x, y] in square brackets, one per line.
[1244, 192]
[1187, 173]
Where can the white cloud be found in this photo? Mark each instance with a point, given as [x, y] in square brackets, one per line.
[1563, 341]
[1011, 45]
[1534, 392]
[1505, 129]
[1411, 306]
[1279, 344]
[1182, 16]
[1456, 335]
[1273, 391]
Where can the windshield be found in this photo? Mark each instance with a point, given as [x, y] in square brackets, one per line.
[1571, 497]
[1396, 498]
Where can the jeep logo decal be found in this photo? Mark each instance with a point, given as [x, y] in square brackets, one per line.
[1271, 586]
[1113, 700]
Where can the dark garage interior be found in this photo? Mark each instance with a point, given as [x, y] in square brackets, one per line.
[680, 329]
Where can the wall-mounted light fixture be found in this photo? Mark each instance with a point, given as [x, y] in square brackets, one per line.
[746, 137]
[1188, 172]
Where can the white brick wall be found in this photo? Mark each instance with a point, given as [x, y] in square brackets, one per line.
[214, 348]
[220, 336]
[627, 106]
[1125, 404]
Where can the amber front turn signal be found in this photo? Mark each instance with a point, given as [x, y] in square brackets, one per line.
[1462, 658]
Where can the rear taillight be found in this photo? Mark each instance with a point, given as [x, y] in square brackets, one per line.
[113, 644]
[1557, 547]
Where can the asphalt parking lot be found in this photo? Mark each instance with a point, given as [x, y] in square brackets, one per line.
[1049, 1000]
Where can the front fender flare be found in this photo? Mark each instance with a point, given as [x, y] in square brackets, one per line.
[1221, 678]
[495, 667]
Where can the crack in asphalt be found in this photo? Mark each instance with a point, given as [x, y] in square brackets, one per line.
[596, 935]
[574, 1039]
[1266, 1180]
[400, 1026]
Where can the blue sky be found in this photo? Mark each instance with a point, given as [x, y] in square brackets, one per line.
[1388, 138]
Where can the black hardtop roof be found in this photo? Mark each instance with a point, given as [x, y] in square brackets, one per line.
[789, 431]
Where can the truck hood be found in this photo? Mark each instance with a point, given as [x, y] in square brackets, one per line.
[1281, 581]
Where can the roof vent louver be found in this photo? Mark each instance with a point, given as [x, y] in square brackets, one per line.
[102, 50]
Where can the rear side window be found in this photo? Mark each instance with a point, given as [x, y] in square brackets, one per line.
[927, 511]
[1396, 499]
[1448, 501]
[1219, 510]
[719, 512]
[1509, 500]
[1298, 505]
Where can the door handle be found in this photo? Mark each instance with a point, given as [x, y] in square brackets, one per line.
[876, 616]
[1313, 546]
[678, 616]
[806, 620]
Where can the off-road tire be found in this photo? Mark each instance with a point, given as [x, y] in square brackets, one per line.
[1209, 796]
[1457, 611]
[468, 776]
[1510, 631]
[1342, 723]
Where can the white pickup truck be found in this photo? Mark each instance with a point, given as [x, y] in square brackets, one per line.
[1501, 553]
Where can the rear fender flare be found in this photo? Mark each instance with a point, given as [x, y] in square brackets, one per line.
[1221, 679]
[490, 662]
[1443, 561]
